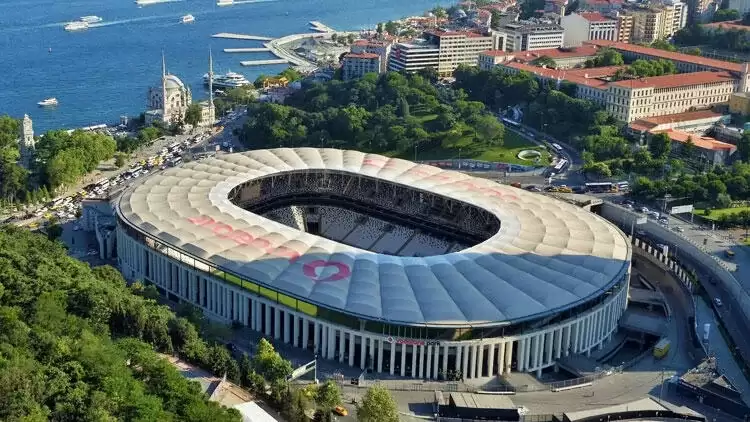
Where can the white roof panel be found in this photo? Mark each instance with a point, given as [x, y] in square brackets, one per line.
[547, 256]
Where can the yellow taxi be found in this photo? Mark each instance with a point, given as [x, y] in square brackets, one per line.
[340, 410]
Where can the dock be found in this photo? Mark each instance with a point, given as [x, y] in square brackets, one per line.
[246, 50]
[232, 36]
[263, 62]
[320, 27]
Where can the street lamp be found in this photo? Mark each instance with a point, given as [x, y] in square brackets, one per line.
[459, 158]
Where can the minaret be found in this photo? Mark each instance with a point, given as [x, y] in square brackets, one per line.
[27, 146]
[164, 88]
[211, 110]
[744, 75]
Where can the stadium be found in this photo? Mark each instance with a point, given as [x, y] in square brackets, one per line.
[378, 262]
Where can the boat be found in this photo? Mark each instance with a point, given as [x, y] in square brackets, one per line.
[225, 2]
[91, 19]
[76, 26]
[228, 80]
[147, 2]
[49, 102]
[188, 19]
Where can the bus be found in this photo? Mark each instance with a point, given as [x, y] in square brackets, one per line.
[560, 165]
[662, 348]
[557, 147]
[510, 122]
[601, 187]
[623, 186]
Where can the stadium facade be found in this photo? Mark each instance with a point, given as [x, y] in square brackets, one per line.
[379, 263]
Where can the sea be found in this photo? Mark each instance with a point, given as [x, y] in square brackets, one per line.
[103, 73]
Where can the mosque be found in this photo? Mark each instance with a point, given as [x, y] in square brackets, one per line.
[169, 102]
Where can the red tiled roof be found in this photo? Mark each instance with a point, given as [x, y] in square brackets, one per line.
[496, 53]
[360, 43]
[648, 123]
[669, 55]
[703, 142]
[674, 81]
[578, 76]
[595, 72]
[361, 56]
[558, 53]
[595, 17]
[728, 25]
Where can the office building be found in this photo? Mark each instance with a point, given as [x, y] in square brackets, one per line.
[442, 50]
[530, 36]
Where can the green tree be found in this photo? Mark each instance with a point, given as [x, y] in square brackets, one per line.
[193, 114]
[120, 160]
[439, 12]
[328, 395]
[660, 145]
[743, 148]
[392, 27]
[268, 363]
[724, 15]
[379, 29]
[377, 406]
[54, 231]
[663, 45]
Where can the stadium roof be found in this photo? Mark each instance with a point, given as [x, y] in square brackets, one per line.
[547, 256]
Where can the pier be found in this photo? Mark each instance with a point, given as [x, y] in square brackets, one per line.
[231, 36]
[318, 26]
[263, 62]
[247, 50]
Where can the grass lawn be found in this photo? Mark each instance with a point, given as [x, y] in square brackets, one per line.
[507, 153]
[715, 214]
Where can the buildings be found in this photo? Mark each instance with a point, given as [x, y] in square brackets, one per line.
[26, 142]
[168, 101]
[530, 36]
[739, 103]
[624, 27]
[442, 50]
[223, 239]
[601, 6]
[564, 58]
[706, 151]
[355, 65]
[380, 47]
[585, 26]
[655, 22]
[742, 6]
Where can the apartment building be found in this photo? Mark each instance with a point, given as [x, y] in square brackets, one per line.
[601, 6]
[586, 26]
[381, 48]
[657, 22]
[530, 36]
[443, 50]
[624, 27]
[356, 65]
[702, 10]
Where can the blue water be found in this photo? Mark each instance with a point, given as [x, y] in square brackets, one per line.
[100, 74]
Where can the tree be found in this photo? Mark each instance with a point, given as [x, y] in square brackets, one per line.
[439, 12]
[724, 15]
[379, 29]
[743, 148]
[377, 406]
[193, 114]
[392, 27]
[496, 19]
[350, 38]
[663, 45]
[689, 148]
[660, 145]
[269, 364]
[120, 160]
[334, 37]
[54, 231]
[328, 395]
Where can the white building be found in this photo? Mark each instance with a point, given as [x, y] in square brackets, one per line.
[525, 36]
[586, 26]
[381, 48]
[356, 65]
[412, 56]
[168, 101]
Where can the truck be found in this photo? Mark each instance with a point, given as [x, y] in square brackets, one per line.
[661, 348]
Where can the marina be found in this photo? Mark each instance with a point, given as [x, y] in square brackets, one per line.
[247, 50]
[263, 62]
[232, 36]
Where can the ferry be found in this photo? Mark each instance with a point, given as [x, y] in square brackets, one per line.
[225, 2]
[77, 26]
[147, 2]
[49, 102]
[188, 19]
[91, 19]
[229, 80]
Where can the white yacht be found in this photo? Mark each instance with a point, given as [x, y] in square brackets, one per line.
[188, 19]
[147, 2]
[228, 80]
[77, 26]
[91, 19]
[49, 102]
[225, 2]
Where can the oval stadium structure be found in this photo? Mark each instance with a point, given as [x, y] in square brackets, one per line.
[377, 262]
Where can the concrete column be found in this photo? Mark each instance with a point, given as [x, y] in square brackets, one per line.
[393, 358]
[403, 360]
[465, 358]
[474, 359]
[287, 329]
[352, 346]
[527, 359]
[414, 351]
[558, 342]
[277, 323]
[362, 352]
[508, 356]
[372, 353]
[459, 349]
[521, 351]
[342, 345]
[435, 362]
[445, 360]
[428, 371]
[548, 342]
[379, 346]
[421, 361]
[480, 361]
[295, 330]
[490, 359]
[268, 320]
[324, 333]
[537, 357]
[305, 332]
[331, 342]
